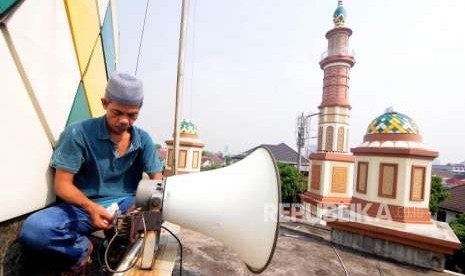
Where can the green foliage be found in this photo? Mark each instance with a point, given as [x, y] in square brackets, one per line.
[291, 183]
[210, 167]
[438, 194]
[457, 261]
[458, 225]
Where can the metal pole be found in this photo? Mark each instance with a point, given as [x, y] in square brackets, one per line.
[179, 83]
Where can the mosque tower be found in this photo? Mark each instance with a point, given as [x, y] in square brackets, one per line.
[332, 168]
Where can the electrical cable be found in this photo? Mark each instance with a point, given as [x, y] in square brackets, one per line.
[180, 248]
[142, 36]
[136, 258]
[340, 260]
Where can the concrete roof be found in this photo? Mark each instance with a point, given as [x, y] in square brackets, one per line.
[305, 251]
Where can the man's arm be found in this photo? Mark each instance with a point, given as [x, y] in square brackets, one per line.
[66, 190]
[156, 176]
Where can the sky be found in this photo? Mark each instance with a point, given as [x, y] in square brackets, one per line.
[252, 67]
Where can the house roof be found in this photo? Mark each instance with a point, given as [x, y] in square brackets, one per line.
[443, 174]
[456, 201]
[455, 181]
[281, 152]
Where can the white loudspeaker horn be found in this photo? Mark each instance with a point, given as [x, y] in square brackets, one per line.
[237, 205]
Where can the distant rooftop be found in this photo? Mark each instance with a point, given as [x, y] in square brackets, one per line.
[456, 201]
[281, 152]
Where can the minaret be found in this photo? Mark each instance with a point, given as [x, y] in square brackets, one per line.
[331, 178]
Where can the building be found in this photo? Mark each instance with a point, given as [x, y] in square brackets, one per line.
[190, 150]
[376, 200]
[281, 153]
[453, 206]
[331, 178]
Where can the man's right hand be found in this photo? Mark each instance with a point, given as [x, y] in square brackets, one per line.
[99, 216]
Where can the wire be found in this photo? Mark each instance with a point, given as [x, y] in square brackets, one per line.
[193, 55]
[180, 248]
[138, 255]
[142, 36]
[340, 260]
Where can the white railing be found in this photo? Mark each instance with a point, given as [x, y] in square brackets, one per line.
[336, 52]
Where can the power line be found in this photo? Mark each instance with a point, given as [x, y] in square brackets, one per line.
[193, 57]
[142, 36]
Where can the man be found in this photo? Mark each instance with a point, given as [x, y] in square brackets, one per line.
[98, 162]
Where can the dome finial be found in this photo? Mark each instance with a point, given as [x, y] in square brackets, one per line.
[340, 15]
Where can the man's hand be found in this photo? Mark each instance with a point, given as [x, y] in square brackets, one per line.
[99, 216]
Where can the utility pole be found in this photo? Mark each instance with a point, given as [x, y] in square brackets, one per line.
[303, 123]
[179, 83]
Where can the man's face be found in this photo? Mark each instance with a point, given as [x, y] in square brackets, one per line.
[120, 117]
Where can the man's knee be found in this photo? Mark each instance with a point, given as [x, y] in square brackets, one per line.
[36, 231]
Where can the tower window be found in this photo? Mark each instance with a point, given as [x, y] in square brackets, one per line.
[362, 177]
[320, 138]
[340, 139]
[387, 180]
[329, 138]
[417, 183]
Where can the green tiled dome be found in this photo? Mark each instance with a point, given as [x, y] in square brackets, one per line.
[188, 127]
[393, 123]
[340, 15]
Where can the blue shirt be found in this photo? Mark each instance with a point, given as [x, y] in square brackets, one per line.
[86, 150]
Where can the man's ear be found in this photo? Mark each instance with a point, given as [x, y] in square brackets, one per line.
[104, 103]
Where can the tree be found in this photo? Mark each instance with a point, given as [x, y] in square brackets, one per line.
[457, 261]
[438, 194]
[291, 180]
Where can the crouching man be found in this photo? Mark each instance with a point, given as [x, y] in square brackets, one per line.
[98, 162]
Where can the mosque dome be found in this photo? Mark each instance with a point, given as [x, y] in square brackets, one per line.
[340, 15]
[187, 127]
[392, 122]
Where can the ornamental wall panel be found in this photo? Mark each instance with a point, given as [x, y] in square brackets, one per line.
[80, 110]
[41, 37]
[26, 181]
[316, 177]
[102, 9]
[107, 41]
[417, 185]
[85, 27]
[339, 180]
[95, 81]
[6, 4]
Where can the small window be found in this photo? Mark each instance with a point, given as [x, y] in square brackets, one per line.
[387, 180]
[316, 174]
[362, 177]
[195, 160]
[442, 216]
[417, 183]
[320, 138]
[339, 181]
[170, 158]
[329, 138]
[182, 159]
[340, 139]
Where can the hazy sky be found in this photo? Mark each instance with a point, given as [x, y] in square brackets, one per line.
[252, 67]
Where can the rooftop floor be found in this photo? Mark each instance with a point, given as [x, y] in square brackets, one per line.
[304, 251]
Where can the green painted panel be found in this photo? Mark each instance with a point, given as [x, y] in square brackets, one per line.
[80, 110]
[5, 4]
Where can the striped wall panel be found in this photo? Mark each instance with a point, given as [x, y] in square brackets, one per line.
[41, 37]
[55, 55]
[108, 45]
[85, 27]
[80, 110]
[6, 4]
[95, 81]
[102, 6]
[26, 182]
